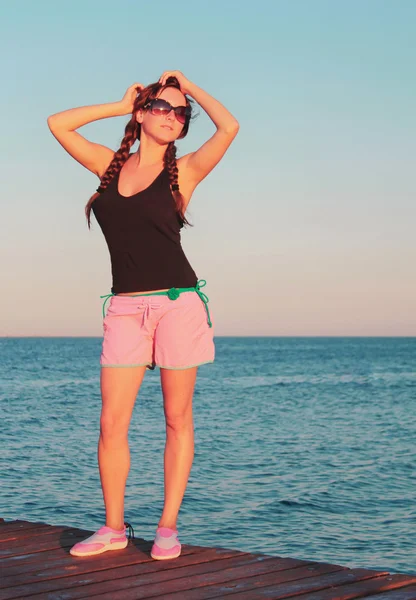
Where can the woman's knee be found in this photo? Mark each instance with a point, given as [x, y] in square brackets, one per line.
[179, 421]
[113, 427]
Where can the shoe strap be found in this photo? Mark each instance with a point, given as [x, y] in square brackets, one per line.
[130, 531]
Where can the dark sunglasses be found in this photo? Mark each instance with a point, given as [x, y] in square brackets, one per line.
[159, 107]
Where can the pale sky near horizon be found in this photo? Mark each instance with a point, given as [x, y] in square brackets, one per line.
[306, 227]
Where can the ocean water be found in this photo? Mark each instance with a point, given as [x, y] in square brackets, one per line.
[304, 447]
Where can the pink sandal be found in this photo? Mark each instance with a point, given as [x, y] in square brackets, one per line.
[102, 540]
[166, 544]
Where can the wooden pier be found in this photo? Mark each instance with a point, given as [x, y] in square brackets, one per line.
[36, 564]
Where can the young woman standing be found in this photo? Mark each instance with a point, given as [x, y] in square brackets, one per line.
[157, 314]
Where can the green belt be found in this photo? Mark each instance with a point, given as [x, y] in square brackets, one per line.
[173, 294]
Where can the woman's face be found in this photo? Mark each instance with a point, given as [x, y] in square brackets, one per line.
[163, 128]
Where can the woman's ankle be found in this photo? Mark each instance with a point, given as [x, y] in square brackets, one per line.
[168, 524]
[115, 526]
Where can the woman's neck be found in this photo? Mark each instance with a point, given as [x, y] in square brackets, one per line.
[150, 153]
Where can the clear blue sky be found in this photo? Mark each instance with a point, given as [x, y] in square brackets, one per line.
[307, 226]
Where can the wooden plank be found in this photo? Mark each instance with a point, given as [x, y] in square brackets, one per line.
[67, 539]
[68, 565]
[144, 585]
[21, 535]
[27, 563]
[42, 543]
[204, 585]
[283, 584]
[54, 559]
[141, 574]
[7, 527]
[40, 540]
[362, 589]
[406, 593]
[63, 563]
[56, 549]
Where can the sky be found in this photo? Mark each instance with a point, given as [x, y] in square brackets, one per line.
[307, 225]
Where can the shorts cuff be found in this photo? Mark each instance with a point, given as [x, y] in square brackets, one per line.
[187, 367]
[142, 365]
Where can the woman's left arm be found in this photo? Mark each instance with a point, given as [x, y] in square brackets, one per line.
[199, 163]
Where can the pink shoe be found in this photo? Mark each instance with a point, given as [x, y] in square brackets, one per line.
[166, 544]
[102, 540]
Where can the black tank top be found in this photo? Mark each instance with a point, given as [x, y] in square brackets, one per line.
[142, 232]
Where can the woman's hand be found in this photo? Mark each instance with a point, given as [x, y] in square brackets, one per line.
[130, 96]
[184, 83]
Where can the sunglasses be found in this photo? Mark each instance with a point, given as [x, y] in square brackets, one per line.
[159, 107]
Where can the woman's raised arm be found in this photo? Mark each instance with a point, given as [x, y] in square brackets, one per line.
[92, 156]
[198, 164]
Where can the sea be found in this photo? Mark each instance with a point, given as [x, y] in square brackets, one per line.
[305, 447]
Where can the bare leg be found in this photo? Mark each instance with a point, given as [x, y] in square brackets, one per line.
[178, 388]
[119, 389]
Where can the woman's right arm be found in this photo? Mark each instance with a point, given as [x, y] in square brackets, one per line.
[94, 157]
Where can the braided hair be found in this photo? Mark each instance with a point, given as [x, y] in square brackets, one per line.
[131, 134]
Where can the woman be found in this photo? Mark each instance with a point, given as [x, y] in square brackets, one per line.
[157, 314]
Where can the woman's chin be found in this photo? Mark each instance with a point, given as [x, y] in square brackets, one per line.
[166, 137]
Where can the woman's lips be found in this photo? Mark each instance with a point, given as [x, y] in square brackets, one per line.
[167, 127]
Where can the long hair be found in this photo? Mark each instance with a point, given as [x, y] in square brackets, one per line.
[131, 134]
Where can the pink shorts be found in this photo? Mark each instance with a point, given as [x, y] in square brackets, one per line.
[157, 331]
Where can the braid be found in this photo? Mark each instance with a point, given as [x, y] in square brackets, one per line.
[172, 168]
[130, 135]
